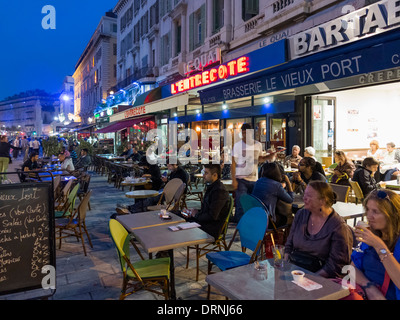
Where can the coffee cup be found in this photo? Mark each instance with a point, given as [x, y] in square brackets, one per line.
[298, 275]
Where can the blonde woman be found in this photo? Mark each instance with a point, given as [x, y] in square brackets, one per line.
[378, 267]
[374, 150]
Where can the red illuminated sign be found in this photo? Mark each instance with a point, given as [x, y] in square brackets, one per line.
[135, 111]
[224, 71]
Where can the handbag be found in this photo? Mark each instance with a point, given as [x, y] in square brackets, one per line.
[306, 261]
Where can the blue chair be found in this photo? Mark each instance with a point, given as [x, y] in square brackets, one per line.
[249, 201]
[251, 228]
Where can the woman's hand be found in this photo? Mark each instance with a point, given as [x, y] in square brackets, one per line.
[365, 235]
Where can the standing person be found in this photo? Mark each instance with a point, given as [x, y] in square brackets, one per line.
[25, 148]
[247, 154]
[344, 169]
[295, 157]
[319, 239]
[4, 156]
[35, 146]
[16, 145]
[364, 175]
[380, 259]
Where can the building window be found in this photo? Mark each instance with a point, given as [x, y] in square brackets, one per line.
[178, 40]
[197, 23]
[218, 15]
[250, 9]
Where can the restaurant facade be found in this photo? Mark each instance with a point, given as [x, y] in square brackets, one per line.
[336, 88]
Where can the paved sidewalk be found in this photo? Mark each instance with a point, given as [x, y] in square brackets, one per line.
[98, 276]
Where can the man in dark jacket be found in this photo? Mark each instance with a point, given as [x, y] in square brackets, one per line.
[215, 205]
[364, 175]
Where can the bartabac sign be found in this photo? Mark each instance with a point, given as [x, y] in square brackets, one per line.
[367, 21]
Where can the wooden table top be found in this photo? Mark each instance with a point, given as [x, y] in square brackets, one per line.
[242, 284]
[147, 219]
[141, 194]
[159, 238]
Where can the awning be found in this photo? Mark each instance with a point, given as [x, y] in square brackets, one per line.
[84, 128]
[120, 125]
[148, 97]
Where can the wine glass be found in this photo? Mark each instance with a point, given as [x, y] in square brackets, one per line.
[360, 224]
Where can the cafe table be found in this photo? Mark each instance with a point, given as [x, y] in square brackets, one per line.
[392, 184]
[141, 194]
[243, 283]
[155, 238]
[135, 183]
[228, 185]
[147, 219]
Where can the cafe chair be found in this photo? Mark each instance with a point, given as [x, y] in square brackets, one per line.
[359, 195]
[75, 225]
[251, 228]
[218, 245]
[168, 195]
[143, 274]
[84, 182]
[62, 197]
[342, 192]
[67, 208]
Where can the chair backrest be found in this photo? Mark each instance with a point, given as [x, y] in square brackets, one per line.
[357, 190]
[252, 227]
[121, 240]
[67, 188]
[249, 201]
[224, 228]
[83, 206]
[342, 192]
[171, 188]
[72, 197]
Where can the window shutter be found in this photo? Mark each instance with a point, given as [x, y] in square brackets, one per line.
[191, 32]
[203, 23]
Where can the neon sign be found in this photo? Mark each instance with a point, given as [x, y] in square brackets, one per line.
[224, 71]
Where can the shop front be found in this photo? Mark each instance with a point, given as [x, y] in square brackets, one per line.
[339, 89]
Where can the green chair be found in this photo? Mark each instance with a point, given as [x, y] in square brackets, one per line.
[143, 274]
[217, 245]
[68, 207]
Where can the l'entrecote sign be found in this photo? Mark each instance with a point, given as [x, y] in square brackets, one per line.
[378, 17]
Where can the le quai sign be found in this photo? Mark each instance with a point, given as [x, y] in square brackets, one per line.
[378, 17]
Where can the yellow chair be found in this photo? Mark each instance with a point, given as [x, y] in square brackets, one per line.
[139, 275]
[357, 191]
[217, 245]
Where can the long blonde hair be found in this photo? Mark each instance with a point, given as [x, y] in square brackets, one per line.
[389, 204]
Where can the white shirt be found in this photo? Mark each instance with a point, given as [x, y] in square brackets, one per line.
[67, 164]
[35, 144]
[246, 158]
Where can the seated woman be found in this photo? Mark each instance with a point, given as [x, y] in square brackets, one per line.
[270, 188]
[344, 169]
[364, 175]
[374, 150]
[307, 173]
[319, 239]
[380, 258]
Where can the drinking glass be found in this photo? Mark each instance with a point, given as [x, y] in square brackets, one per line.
[260, 271]
[279, 253]
[360, 224]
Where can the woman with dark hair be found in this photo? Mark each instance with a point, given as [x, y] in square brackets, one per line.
[307, 173]
[270, 188]
[319, 239]
[344, 169]
[378, 263]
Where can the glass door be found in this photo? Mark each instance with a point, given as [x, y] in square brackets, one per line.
[323, 116]
[277, 132]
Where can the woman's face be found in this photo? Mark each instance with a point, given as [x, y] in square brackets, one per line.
[312, 199]
[373, 146]
[376, 219]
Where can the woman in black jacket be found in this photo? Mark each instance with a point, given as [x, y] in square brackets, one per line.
[4, 156]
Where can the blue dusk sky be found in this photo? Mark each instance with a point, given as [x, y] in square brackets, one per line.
[34, 58]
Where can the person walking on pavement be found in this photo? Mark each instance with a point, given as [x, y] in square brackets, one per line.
[16, 144]
[247, 154]
[25, 148]
[35, 145]
[5, 158]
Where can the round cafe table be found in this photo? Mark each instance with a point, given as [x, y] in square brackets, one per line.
[133, 184]
[141, 194]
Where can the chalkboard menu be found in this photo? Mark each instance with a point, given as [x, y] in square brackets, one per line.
[26, 235]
